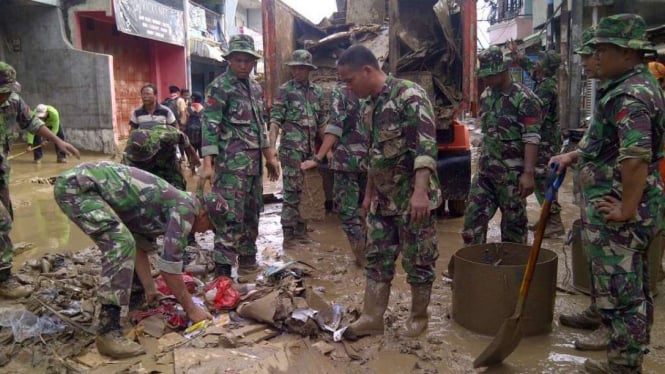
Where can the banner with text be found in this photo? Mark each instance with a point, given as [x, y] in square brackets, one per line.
[150, 19]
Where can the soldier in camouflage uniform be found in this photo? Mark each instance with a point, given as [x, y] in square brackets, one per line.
[235, 135]
[510, 117]
[153, 150]
[13, 110]
[590, 318]
[347, 137]
[152, 123]
[544, 73]
[298, 112]
[622, 188]
[402, 189]
[123, 210]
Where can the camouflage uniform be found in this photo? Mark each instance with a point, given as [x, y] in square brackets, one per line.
[121, 207]
[402, 140]
[234, 132]
[298, 112]
[629, 124]
[349, 160]
[153, 150]
[551, 138]
[509, 121]
[12, 111]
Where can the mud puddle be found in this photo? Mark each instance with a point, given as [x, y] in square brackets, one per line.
[446, 348]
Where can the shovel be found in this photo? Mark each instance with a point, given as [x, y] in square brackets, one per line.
[510, 334]
[24, 152]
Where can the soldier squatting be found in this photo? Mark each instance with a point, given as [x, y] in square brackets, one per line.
[379, 136]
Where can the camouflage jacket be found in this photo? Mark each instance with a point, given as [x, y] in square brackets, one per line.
[234, 127]
[298, 111]
[508, 121]
[402, 140]
[629, 123]
[145, 203]
[15, 111]
[550, 131]
[350, 151]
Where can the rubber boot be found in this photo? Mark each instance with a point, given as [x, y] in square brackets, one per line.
[289, 236]
[554, 226]
[247, 265]
[417, 322]
[222, 270]
[110, 341]
[374, 306]
[300, 233]
[358, 250]
[10, 287]
[596, 341]
[589, 319]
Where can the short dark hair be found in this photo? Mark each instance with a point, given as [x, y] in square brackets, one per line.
[174, 89]
[358, 56]
[197, 97]
[151, 86]
[184, 91]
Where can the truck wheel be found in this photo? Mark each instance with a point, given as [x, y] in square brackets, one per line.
[456, 207]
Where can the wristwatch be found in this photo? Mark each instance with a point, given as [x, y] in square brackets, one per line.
[316, 159]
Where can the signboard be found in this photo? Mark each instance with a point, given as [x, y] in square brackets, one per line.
[150, 19]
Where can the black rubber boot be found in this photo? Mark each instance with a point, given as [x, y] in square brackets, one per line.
[222, 269]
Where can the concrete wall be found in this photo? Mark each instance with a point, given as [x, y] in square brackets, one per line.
[516, 28]
[77, 83]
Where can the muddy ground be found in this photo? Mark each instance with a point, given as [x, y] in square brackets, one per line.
[446, 348]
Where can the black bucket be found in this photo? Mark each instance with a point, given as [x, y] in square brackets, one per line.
[486, 283]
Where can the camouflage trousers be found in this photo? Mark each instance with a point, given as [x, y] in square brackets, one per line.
[388, 236]
[293, 181]
[348, 190]
[485, 197]
[98, 220]
[545, 152]
[619, 266]
[6, 218]
[236, 231]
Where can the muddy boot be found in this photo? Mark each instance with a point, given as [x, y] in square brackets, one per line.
[110, 341]
[596, 341]
[554, 226]
[10, 287]
[301, 234]
[417, 322]
[247, 265]
[358, 250]
[222, 270]
[589, 319]
[374, 306]
[289, 236]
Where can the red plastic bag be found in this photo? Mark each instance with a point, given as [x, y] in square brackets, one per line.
[221, 294]
[190, 282]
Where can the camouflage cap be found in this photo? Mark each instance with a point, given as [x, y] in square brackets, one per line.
[585, 49]
[623, 30]
[142, 145]
[549, 61]
[491, 61]
[242, 43]
[301, 57]
[7, 77]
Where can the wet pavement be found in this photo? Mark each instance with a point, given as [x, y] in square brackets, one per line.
[446, 348]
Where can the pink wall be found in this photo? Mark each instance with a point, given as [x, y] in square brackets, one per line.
[169, 67]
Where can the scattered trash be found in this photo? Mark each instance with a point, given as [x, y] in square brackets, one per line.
[220, 293]
[25, 324]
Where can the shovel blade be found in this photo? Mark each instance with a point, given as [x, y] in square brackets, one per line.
[504, 343]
